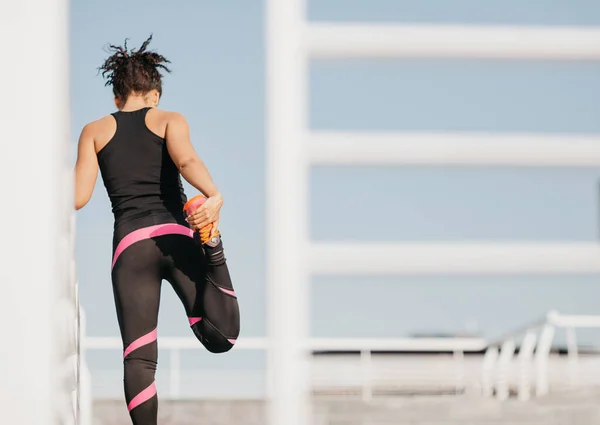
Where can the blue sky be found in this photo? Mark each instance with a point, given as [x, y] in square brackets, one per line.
[217, 53]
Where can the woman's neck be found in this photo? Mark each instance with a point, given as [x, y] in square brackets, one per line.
[134, 103]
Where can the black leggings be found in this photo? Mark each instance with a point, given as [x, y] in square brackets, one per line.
[146, 251]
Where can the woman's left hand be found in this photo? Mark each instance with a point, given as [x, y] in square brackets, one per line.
[207, 214]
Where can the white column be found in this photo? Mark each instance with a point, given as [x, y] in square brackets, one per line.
[33, 159]
[287, 232]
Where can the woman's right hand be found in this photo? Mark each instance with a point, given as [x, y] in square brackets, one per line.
[207, 214]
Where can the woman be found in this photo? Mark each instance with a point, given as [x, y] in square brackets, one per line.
[141, 152]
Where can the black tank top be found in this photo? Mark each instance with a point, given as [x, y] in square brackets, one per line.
[138, 172]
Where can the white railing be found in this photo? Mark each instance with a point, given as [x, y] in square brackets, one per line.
[364, 346]
[529, 368]
[68, 337]
[500, 370]
[84, 382]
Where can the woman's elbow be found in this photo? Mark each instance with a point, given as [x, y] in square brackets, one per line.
[81, 202]
[185, 164]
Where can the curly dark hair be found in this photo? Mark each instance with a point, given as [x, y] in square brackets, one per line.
[133, 71]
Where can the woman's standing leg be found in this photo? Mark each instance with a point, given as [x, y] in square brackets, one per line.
[136, 278]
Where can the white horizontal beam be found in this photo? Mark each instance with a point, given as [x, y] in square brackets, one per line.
[398, 344]
[340, 40]
[576, 321]
[320, 344]
[339, 148]
[469, 258]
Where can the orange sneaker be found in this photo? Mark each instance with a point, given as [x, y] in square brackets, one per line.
[204, 233]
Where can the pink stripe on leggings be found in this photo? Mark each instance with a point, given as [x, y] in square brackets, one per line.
[150, 232]
[194, 320]
[145, 395]
[140, 342]
[227, 291]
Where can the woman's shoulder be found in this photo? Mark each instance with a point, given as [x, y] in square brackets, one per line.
[101, 125]
[100, 121]
[166, 118]
[170, 115]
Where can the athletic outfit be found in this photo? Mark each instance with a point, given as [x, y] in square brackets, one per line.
[151, 242]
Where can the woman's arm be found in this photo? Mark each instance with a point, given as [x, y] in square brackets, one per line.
[86, 168]
[185, 157]
[194, 171]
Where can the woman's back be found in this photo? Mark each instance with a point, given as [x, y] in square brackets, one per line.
[138, 172]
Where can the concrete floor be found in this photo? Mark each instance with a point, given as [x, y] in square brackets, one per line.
[562, 409]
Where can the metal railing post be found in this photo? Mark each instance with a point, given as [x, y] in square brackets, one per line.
[525, 365]
[541, 360]
[459, 360]
[367, 375]
[86, 402]
[573, 357]
[504, 368]
[488, 371]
